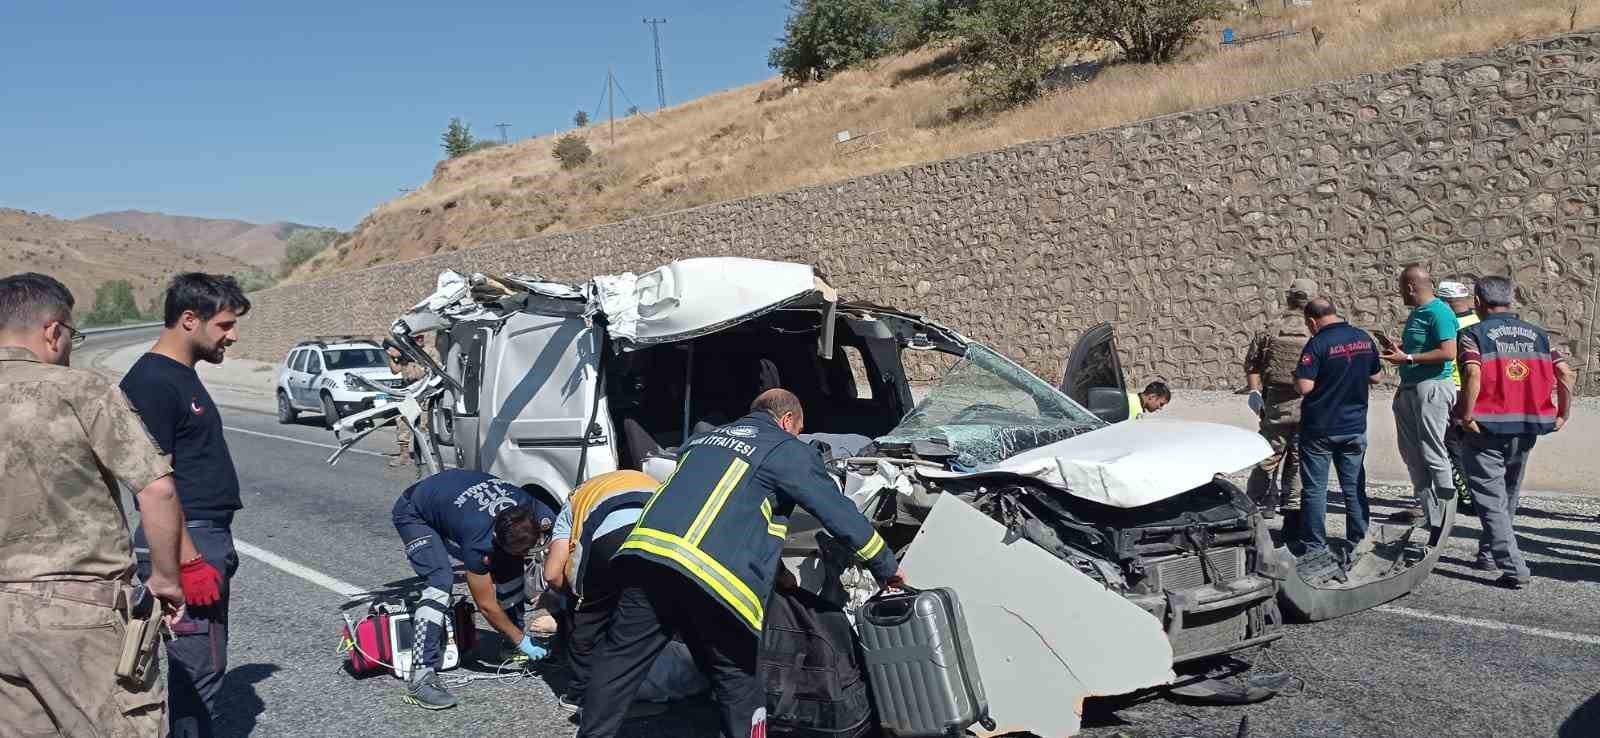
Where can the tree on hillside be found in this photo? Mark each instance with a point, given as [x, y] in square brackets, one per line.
[252, 279]
[633, 110]
[824, 36]
[571, 150]
[113, 304]
[457, 138]
[580, 119]
[1145, 30]
[305, 244]
[1007, 46]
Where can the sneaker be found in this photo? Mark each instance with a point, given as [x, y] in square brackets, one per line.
[570, 702]
[1484, 563]
[1511, 581]
[427, 692]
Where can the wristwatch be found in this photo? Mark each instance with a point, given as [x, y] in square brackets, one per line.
[1410, 360]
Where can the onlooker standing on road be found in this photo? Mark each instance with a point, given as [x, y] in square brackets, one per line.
[1459, 298]
[65, 562]
[1510, 372]
[409, 371]
[1269, 366]
[1338, 365]
[201, 314]
[1422, 406]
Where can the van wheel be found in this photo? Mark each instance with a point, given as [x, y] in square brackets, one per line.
[330, 412]
[286, 411]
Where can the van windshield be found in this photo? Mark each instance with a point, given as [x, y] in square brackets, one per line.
[987, 409]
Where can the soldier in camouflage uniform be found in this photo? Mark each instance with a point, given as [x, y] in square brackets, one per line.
[68, 438]
[1269, 372]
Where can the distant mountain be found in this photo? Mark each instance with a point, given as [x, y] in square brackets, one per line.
[84, 256]
[255, 244]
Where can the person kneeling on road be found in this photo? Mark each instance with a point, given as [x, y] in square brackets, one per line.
[598, 518]
[700, 562]
[490, 525]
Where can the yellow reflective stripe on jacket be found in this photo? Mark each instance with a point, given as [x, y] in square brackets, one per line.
[781, 531]
[702, 567]
[716, 500]
[873, 546]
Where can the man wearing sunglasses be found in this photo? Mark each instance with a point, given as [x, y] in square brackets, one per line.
[69, 436]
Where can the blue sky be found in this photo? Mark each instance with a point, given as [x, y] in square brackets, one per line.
[315, 112]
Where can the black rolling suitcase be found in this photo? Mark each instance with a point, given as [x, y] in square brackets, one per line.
[920, 664]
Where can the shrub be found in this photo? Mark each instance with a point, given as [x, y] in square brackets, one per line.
[580, 119]
[1145, 30]
[1008, 46]
[823, 36]
[482, 144]
[457, 138]
[304, 244]
[113, 304]
[571, 150]
[252, 279]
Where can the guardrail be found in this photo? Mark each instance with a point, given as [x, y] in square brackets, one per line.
[120, 328]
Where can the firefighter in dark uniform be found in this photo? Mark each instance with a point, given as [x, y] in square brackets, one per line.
[701, 561]
[1269, 372]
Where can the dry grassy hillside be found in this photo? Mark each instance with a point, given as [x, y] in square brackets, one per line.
[256, 244]
[728, 145]
[84, 256]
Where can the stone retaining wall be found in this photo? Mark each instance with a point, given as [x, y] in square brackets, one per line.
[1182, 229]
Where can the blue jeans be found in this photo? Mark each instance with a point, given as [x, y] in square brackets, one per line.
[1347, 454]
[197, 654]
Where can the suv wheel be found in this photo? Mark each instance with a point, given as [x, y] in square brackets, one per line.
[330, 412]
[286, 411]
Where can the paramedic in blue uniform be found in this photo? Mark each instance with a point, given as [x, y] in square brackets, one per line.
[701, 561]
[489, 525]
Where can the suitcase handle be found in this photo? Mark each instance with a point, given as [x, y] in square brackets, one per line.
[892, 612]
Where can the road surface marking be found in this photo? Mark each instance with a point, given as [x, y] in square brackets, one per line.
[304, 572]
[328, 446]
[1559, 635]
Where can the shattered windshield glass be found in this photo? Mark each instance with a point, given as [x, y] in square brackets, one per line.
[986, 409]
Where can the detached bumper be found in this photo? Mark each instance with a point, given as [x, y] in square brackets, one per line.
[1217, 619]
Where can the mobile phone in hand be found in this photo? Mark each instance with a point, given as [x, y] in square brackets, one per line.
[1387, 342]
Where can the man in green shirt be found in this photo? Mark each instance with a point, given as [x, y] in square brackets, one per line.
[1422, 406]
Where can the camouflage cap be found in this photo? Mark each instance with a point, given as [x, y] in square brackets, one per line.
[1303, 287]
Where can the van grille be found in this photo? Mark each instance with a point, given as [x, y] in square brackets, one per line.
[1178, 573]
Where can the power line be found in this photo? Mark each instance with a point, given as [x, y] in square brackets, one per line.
[502, 127]
[635, 105]
[661, 83]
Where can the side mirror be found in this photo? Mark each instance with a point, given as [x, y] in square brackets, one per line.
[1108, 403]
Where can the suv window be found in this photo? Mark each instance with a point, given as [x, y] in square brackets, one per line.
[314, 362]
[297, 360]
[364, 358]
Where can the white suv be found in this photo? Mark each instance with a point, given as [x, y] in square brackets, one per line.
[319, 376]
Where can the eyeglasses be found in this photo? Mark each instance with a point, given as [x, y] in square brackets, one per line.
[78, 337]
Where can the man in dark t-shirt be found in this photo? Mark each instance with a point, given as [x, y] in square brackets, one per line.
[1336, 368]
[201, 314]
[489, 525]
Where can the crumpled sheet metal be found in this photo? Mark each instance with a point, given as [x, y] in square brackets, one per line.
[1045, 635]
[1132, 463]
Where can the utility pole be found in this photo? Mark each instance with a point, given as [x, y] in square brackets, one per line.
[502, 127]
[611, 103]
[661, 84]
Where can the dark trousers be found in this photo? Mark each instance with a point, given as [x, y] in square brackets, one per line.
[1494, 466]
[197, 655]
[595, 608]
[429, 554]
[655, 604]
[1347, 455]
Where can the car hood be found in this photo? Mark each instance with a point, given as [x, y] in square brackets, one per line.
[1132, 463]
[371, 372]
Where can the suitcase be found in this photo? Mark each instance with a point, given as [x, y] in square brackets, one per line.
[920, 664]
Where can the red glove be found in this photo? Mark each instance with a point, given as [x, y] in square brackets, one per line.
[201, 582]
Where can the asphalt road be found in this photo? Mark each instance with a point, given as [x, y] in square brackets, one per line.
[1456, 658]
